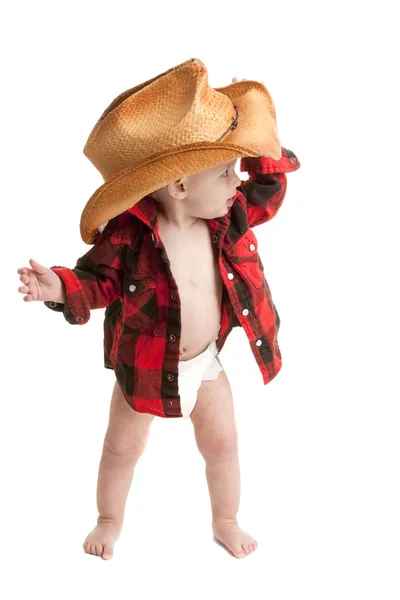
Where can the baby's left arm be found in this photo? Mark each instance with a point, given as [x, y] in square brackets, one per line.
[266, 187]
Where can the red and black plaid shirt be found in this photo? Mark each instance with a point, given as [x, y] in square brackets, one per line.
[127, 270]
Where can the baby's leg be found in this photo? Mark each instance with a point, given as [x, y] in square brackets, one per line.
[124, 443]
[216, 437]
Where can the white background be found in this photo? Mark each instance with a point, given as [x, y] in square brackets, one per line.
[319, 446]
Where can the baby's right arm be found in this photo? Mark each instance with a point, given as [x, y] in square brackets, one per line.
[95, 282]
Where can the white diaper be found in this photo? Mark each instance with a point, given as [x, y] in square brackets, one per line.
[203, 367]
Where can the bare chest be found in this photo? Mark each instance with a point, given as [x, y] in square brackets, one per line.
[193, 257]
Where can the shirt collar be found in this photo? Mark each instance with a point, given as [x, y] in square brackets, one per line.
[146, 211]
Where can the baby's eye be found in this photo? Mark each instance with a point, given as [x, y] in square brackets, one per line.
[225, 172]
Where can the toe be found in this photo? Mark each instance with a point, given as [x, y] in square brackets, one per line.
[108, 552]
[99, 549]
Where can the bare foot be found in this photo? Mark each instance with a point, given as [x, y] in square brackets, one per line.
[100, 541]
[235, 540]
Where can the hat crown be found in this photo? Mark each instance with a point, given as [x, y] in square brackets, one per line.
[171, 110]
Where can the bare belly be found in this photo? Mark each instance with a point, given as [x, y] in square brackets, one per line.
[201, 316]
[194, 266]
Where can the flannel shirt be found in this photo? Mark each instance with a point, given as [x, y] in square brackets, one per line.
[127, 271]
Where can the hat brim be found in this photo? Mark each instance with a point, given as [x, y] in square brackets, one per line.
[256, 134]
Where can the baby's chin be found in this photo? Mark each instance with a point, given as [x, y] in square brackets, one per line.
[221, 213]
[223, 210]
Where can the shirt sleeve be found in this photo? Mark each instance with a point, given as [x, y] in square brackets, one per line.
[266, 187]
[96, 280]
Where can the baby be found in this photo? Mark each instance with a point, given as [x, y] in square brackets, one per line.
[184, 208]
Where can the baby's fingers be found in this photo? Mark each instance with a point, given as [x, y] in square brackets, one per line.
[235, 79]
[24, 289]
[24, 278]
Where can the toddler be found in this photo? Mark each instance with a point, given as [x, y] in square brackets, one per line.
[209, 269]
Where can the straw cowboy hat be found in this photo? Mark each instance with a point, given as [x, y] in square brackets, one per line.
[170, 126]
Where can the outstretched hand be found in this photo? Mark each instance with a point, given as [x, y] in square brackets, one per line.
[40, 282]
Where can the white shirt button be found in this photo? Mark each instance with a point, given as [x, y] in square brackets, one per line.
[79, 319]
[258, 342]
[230, 275]
[252, 247]
[132, 287]
[52, 304]
[245, 312]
